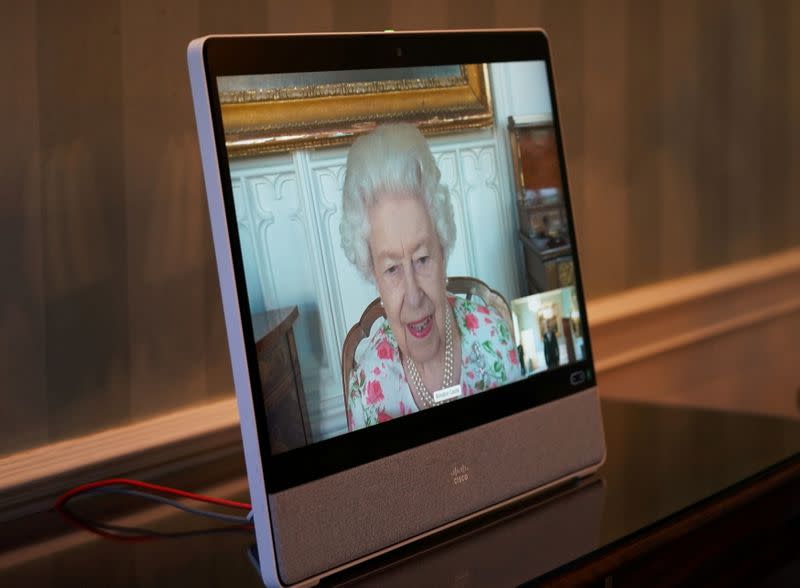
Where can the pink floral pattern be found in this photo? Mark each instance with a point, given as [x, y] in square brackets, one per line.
[512, 356]
[374, 392]
[378, 390]
[471, 322]
[385, 350]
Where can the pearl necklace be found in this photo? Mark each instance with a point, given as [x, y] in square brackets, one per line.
[447, 377]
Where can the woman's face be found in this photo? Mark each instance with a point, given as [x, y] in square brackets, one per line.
[408, 265]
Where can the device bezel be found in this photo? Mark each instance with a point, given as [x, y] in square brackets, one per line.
[240, 55]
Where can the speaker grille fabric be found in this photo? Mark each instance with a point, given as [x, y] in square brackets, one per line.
[329, 522]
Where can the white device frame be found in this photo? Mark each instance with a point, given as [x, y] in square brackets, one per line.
[236, 341]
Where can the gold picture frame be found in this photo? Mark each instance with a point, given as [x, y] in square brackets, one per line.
[260, 120]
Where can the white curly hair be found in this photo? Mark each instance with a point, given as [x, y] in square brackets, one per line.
[392, 158]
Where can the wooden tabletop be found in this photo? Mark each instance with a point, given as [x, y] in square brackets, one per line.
[686, 495]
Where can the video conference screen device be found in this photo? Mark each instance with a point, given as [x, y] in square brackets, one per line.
[400, 283]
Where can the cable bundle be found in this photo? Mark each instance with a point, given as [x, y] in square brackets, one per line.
[156, 493]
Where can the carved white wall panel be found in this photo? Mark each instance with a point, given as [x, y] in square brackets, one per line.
[322, 182]
[277, 225]
[461, 262]
[348, 293]
[251, 260]
[493, 237]
[263, 218]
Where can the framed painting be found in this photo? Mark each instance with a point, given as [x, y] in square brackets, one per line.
[284, 112]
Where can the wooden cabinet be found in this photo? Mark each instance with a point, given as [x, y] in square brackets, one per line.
[281, 381]
[543, 221]
[547, 269]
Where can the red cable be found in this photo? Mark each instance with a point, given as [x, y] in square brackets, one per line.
[62, 500]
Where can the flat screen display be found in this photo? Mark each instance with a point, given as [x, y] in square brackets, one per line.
[404, 248]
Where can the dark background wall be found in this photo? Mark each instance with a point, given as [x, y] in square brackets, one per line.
[682, 128]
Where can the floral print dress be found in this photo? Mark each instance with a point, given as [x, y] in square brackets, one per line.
[378, 390]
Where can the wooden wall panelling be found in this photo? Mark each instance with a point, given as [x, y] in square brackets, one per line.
[23, 382]
[724, 339]
[781, 125]
[777, 129]
[678, 206]
[605, 222]
[469, 15]
[299, 15]
[231, 17]
[414, 15]
[643, 99]
[355, 15]
[167, 228]
[81, 138]
[757, 373]
[510, 14]
[712, 117]
[746, 200]
[793, 87]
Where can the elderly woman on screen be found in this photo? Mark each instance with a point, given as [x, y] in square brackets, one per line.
[398, 229]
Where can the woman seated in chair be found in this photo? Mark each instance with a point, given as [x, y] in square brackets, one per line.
[398, 229]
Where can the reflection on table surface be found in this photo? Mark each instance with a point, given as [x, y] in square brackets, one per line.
[660, 460]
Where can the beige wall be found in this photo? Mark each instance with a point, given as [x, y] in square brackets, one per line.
[682, 122]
